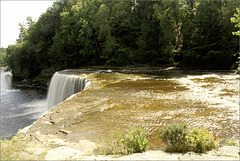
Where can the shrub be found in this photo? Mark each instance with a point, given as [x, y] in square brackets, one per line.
[136, 140]
[175, 137]
[201, 141]
[179, 138]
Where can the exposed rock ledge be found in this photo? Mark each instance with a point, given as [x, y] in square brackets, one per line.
[66, 153]
[59, 149]
[71, 130]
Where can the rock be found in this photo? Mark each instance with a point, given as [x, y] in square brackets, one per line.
[47, 140]
[48, 122]
[64, 131]
[36, 151]
[86, 146]
[24, 130]
[231, 151]
[63, 153]
[161, 155]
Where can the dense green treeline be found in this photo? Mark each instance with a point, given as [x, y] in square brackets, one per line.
[72, 34]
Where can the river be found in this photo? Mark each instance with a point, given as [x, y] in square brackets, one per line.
[152, 98]
[21, 105]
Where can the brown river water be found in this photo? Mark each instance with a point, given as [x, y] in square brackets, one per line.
[152, 99]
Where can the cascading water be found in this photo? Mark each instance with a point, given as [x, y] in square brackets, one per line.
[6, 79]
[64, 85]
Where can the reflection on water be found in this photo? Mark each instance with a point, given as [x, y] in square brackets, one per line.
[19, 107]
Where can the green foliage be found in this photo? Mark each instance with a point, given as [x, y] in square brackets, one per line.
[174, 136]
[112, 144]
[10, 149]
[134, 141]
[179, 138]
[25, 73]
[201, 141]
[236, 19]
[72, 34]
[207, 39]
[232, 142]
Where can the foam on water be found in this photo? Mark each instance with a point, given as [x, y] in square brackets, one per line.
[217, 90]
[6, 79]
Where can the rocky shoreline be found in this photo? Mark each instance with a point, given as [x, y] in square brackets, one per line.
[53, 148]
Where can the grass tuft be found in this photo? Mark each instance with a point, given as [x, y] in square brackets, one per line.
[10, 149]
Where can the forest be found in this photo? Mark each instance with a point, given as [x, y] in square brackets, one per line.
[195, 34]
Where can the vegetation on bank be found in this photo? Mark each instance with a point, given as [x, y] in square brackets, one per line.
[134, 141]
[13, 149]
[177, 138]
[10, 149]
[73, 34]
[231, 142]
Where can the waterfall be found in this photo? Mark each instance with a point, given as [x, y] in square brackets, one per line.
[6, 79]
[64, 85]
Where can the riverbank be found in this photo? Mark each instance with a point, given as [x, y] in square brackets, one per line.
[37, 146]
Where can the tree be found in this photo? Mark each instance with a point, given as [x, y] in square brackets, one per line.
[170, 16]
[72, 34]
[204, 37]
[236, 19]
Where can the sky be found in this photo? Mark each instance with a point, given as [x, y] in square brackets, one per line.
[14, 12]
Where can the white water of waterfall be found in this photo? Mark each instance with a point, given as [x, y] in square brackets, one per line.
[6, 79]
[63, 86]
